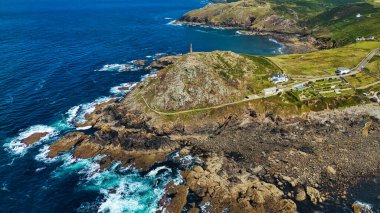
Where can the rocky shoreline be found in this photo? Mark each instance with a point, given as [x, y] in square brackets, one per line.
[294, 42]
[252, 161]
[255, 158]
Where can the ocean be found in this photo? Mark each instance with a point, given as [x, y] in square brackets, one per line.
[58, 59]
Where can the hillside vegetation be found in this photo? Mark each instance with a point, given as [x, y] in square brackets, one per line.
[327, 19]
[217, 81]
[342, 25]
[324, 62]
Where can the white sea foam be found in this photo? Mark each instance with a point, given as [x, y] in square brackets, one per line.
[11, 163]
[159, 55]
[124, 189]
[168, 18]
[173, 23]
[156, 170]
[274, 40]
[122, 89]
[90, 170]
[280, 50]
[83, 128]
[40, 169]
[77, 113]
[201, 31]
[204, 208]
[116, 68]
[43, 155]
[116, 202]
[4, 187]
[16, 146]
[238, 32]
[70, 165]
[218, 28]
[72, 113]
[150, 75]
[188, 161]
[365, 206]
[131, 194]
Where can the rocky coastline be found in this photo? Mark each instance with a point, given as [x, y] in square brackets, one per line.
[253, 160]
[295, 42]
[255, 157]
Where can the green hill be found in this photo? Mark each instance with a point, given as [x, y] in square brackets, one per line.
[345, 23]
[199, 80]
[327, 19]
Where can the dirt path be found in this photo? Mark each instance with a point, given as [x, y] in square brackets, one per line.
[355, 71]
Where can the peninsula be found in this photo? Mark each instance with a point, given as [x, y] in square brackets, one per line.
[283, 133]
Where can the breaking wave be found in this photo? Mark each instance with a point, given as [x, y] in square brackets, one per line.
[77, 114]
[16, 146]
[281, 49]
[122, 89]
[118, 68]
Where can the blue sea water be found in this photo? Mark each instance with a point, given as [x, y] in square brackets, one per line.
[51, 52]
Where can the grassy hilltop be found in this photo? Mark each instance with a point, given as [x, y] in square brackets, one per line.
[331, 20]
[219, 81]
[200, 80]
[324, 62]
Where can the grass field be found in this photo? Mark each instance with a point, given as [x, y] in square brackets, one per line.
[342, 26]
[361, 79]
[374, 65]
[324, 62]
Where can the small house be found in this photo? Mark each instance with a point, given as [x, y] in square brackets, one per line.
[371, 38]
[279, 78]
[342, 71]
[360, 38]
[358, 15]
[271, 91]
[299, 87]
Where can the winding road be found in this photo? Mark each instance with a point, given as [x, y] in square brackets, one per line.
[354, 71]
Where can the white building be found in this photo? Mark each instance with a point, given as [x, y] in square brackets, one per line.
[299, 87]
[342, 71]
[360, 38]
[271, 91]
[371, 38]
[358, 15]
[279, 78]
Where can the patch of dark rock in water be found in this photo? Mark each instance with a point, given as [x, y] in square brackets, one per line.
[193, 202]
[366, 192]
[236, 156]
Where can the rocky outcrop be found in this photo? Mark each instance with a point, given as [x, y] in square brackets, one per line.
[33, 138]
[140, 159]
[203, 79]
[67, 142]
[163, 62]
[175, 198]
[311, 155]
[223, 186]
